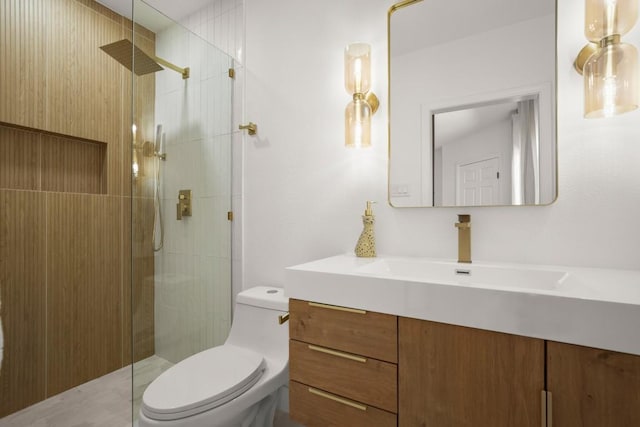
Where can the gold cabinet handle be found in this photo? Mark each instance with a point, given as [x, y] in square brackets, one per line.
[283, 318]
[335, 398]
[547, 410]
[338, 308]
[338, 353]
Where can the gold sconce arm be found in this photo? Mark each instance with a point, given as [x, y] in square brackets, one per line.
[373, 101]
[584, 54]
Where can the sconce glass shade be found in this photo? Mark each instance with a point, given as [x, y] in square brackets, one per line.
[357, 121]
[611, 80]
[357, 68]
[607, 17]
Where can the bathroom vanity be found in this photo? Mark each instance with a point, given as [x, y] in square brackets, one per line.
[393, 341]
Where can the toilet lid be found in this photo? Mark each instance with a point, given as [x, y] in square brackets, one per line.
[202, 382]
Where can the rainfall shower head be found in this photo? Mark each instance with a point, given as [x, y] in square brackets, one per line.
[143, 63]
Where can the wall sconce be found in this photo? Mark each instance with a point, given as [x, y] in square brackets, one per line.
[357, 81]
[609, 67]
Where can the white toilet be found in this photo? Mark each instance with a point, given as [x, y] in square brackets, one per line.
[232, 385]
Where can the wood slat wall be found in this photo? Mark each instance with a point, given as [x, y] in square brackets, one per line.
[65, 258]
[73, 166]
[83, 293]
[22, 291]
[23, 61]
[19, 159]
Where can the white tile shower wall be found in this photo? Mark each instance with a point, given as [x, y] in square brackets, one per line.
[193, 270]
[304, 192]
[221, 23]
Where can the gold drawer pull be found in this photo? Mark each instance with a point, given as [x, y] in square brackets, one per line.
[336, 307]
[337, 399]
[338, 353]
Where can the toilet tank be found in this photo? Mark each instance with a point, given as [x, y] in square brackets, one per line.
[255, 322]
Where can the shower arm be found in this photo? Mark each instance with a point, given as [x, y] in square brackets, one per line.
[183, 71]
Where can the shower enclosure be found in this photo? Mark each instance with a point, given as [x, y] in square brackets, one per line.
[115, 188]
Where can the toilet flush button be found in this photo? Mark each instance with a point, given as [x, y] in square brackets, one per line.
[272, 291]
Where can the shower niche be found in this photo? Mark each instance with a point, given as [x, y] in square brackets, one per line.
[31, 159]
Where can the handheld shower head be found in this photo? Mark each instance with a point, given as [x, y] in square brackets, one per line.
[158, 145]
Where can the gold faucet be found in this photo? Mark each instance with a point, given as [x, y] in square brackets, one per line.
[464, 238]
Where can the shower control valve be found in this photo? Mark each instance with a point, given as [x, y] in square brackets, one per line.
[183, 208]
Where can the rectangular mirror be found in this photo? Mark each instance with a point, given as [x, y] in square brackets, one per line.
[472, 105]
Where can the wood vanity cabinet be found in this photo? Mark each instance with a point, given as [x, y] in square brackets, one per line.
[352, 368]
[591, 387]
[342, 366]
[452, 376]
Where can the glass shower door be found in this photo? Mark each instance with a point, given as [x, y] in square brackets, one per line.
[181, 195]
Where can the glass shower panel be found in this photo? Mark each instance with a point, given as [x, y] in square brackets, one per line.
[181, 168]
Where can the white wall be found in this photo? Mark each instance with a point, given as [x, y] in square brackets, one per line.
[305, 192]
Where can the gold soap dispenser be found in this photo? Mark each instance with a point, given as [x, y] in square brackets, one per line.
[366, 246]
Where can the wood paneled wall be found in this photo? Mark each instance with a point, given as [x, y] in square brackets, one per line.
[23, 286]
[66, 255]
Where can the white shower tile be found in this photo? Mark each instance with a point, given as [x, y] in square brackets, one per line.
[215, 229]
[236, 228]
[168, 208]
[193, 115]
[196, 50]
[237, 282]
[216, 166]
[209, 104]
[239, 34]
[171, 171]
[238, 95]
[223, 41]
[217, 30]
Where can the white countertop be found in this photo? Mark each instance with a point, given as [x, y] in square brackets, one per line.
[592, 307]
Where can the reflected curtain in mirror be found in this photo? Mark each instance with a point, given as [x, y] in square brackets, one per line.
[525, 165]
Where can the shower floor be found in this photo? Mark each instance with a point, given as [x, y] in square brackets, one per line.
[103, 402]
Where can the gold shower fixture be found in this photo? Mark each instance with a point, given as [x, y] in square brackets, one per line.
[143, 63]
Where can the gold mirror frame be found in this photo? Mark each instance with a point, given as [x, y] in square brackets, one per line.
[406, 3]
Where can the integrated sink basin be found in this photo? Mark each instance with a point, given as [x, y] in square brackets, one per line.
[586, 306]
[444, 272]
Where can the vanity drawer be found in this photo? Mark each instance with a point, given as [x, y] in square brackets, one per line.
[356, 377]
[354, 331]
[316, 408]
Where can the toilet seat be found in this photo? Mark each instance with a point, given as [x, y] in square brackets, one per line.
[202, 382]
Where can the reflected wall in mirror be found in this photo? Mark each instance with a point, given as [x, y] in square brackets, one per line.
[472, 110]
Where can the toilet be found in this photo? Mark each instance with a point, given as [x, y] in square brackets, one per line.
[233, 385]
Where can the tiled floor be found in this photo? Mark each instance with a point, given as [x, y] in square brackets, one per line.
[103, 402]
